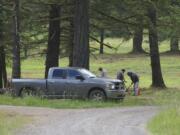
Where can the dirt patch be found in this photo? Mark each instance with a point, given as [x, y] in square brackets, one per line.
[114, 121]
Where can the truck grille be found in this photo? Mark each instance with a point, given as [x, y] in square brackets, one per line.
[117, 85]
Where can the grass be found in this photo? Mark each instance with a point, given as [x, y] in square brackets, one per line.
[124, 47]
[10, 121]
[34, 68]
[166, 123]
[56, 103]
[148, 97]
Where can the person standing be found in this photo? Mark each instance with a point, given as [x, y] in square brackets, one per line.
[120, 75]
[135, 81]
[103, 72]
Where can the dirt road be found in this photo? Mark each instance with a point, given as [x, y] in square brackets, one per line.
[109, 121]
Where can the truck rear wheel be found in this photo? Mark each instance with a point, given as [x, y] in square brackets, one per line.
[97, 95]
[27, 92]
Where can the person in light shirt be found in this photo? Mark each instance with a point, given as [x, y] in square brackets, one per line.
[103, 73]
[120, 75]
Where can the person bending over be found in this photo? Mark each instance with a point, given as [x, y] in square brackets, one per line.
[135, 81]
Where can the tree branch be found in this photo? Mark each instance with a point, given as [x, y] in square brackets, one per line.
[95, 39]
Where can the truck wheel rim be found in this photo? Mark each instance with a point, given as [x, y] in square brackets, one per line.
[27, 93]
[97, 96]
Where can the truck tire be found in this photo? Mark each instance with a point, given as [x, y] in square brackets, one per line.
[27, 92]
[97, 95]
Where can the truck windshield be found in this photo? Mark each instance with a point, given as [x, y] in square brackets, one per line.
[87, 73]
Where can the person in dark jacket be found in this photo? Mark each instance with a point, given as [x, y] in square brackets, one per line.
[135, 81]
[120, 75]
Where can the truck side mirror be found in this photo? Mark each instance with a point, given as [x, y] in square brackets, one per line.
[79, 77]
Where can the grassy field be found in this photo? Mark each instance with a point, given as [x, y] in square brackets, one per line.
[124, 47]
[166, 123]
[10, 121]
[113, 61]
[34, 68]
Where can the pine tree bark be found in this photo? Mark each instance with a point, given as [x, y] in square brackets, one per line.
[157, 78]
[16, 66]
[138, 37]
[71, 38]
[71, 43]
[52, 57]
[3, 61]
[25, 49]
[81, 34]
[101, 50]
[1, 72]
[174, 44]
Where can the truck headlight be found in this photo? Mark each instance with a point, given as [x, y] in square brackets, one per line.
[110, 86]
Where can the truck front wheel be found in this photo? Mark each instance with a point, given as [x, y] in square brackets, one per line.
[97, 95]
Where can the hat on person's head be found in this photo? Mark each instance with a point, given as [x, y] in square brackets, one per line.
[123, 70]
[100, 69]
[129, 73]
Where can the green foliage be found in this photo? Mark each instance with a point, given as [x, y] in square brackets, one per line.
[118, 18]
[166, 122]
[169, 19]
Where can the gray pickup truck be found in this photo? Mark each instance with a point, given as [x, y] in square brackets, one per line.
[70, 82]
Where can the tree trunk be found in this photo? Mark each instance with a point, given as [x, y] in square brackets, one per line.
[3, 75]
[25, 52]
[101, 50]
[71, 44]
[81, 34]
[174, 44]
[1, 72]
[52, 57]
[157, 79]
[3, 60]
[71, 38]
[16, 69]
[138, 37]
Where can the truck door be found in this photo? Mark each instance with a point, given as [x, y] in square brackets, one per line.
[57, 86]
[75, 86]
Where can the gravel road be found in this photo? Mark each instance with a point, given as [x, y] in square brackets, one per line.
[108, 121]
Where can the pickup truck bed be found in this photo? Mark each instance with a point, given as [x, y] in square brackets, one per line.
[37, 84]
